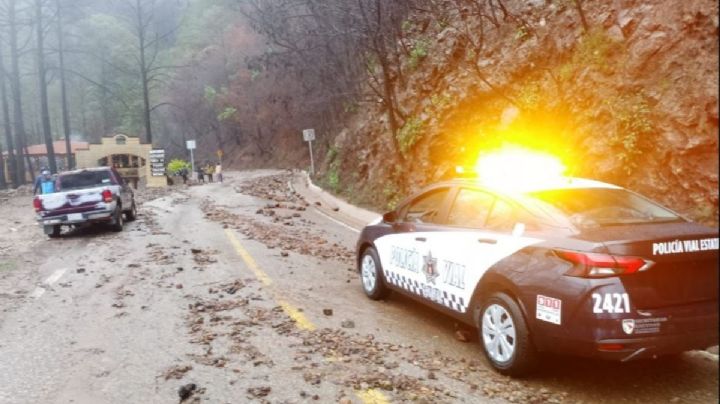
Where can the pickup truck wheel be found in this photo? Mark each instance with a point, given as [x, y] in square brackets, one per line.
[53, 231]
[131, 214]
[117, 223]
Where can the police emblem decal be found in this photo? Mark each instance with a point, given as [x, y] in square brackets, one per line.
[430, 268]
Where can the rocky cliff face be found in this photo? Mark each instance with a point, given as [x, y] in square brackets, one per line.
[629, 97]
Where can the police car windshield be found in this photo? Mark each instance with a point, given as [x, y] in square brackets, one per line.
[85, 179]
[604, 206]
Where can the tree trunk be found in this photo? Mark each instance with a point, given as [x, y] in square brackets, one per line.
[11, 164]
[18, 120]
[42, 86]
[144, 71]
[581, 12]
[63, 88]
[3, 184]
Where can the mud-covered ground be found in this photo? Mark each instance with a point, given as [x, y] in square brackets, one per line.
[244, 292]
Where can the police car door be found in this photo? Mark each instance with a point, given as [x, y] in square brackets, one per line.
[479, 233]
[404, 253]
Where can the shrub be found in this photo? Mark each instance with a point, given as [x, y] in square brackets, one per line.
[418, 53]
[409, 134]
[634, 123]
[176, 165]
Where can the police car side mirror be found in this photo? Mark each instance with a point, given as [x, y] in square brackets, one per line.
[390, 217]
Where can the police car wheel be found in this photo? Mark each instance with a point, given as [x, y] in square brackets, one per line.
[371, 275]
[504, 336]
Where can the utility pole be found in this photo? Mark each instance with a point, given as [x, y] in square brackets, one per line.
[63, 88]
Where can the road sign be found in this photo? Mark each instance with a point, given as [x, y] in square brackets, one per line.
[157, 162]
[190, 144]
[309, 135]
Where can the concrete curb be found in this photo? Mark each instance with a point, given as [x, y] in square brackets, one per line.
[330, 205]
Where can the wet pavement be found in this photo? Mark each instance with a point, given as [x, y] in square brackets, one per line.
[245, 292]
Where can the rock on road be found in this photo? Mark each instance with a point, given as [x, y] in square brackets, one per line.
[244, 292]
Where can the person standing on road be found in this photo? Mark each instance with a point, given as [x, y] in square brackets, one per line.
[47, 183]
[38, 180]
[200, 174]
[218, 171]
[184, 174]
[209, 169]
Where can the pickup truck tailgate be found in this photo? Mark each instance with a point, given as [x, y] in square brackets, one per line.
[77, 201]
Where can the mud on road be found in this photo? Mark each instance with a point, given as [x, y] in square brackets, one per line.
[243, 292]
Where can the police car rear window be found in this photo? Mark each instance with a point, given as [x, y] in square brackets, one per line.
[604, 206]
[85, 179]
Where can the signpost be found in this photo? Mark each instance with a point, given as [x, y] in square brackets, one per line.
[157, 162]
[190, 145]
[309, 136]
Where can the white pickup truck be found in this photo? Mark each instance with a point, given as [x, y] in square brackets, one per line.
[86, 196]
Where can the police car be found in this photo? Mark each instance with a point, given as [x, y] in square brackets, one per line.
[574, 267]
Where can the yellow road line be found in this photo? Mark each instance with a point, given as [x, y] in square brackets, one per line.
[369, 396]
[249, 261]
[372, 396]
[300, 320]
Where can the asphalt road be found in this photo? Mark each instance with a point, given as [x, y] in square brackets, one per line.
[246, 290]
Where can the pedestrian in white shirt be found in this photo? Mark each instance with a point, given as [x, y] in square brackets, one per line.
[218, 171]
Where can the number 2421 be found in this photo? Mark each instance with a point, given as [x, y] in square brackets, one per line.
[611, 303]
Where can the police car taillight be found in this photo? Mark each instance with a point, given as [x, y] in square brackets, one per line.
[37, 204]
[107, 195]
[595, 265]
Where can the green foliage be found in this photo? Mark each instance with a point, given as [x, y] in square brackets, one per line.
[391, 194]
[409, 134]
[443, 22]
[332, 177]
[419, 52]
[351, 107]
[227, 113]
[210, 94]
[521, 33]
[440, 101]
[176, 165]
[594, 49]
[371, 63]
[406, 25]
[470, 55]
[331, 155]
[633, 116]
[529, 96]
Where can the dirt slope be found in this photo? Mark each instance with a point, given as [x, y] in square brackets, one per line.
[631, 99]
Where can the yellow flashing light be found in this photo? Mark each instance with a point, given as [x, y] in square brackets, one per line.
[514, 169]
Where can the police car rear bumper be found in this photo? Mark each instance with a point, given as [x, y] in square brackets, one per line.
[655, 346]
[665, 331]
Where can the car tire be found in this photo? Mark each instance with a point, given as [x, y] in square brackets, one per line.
[117, 223]
[54, 232]
[371, 275]
[131, 214]
[504, 336]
